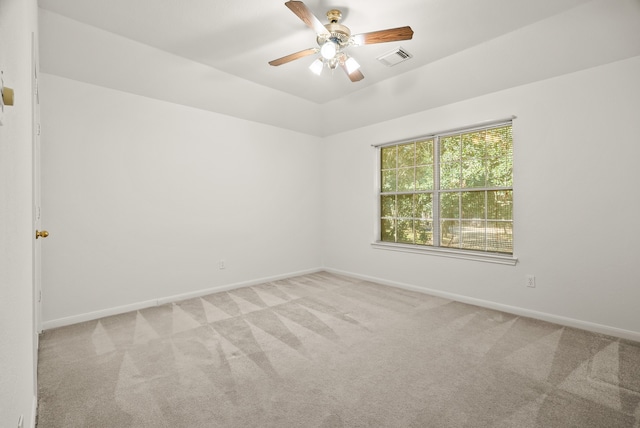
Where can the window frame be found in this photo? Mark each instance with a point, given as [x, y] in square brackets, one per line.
[458, 253]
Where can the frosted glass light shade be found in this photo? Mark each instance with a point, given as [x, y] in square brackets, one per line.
[351, 65]
[317, 66]
[329, 50]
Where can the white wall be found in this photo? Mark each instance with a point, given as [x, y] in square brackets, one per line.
[92, 55]
[17, 21]
[576, 201]
[143, 198]
[595, 33]
[592, 33]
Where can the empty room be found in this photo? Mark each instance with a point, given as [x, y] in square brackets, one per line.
[319, 214]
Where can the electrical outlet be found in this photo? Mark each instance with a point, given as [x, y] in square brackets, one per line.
[222, 264]
[531, 281]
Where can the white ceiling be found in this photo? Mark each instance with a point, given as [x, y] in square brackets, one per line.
[239, 38]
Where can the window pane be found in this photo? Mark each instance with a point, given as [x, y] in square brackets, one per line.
[500, 236]
[423, 232]
[406, 179]
[405, 206]
[473, 173]
[406, 155]
[450, 205]
[388, 181]
[424, 178]
[388, 157]
[500, 205]
[450, 149]
[424, 206]
[500, 156]
[450, 176]
[473, 145]
[450, 233]
[500, 172]
[473, 235]
[499, 142]
[405, 231]
[473, 205]
[424, 152]
[388, 206]
[388, 230]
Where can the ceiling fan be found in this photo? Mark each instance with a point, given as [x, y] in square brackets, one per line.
[333, 38]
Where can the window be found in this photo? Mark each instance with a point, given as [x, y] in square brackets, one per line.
[449, 191]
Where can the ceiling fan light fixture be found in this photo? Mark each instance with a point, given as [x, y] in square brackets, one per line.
[334, 38]
[329, 50]
[351, 64]
[317, 66]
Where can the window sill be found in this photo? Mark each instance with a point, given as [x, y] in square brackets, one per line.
[448, 252]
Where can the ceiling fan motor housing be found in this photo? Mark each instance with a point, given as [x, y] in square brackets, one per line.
[338, 33]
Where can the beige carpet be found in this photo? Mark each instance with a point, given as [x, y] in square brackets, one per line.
[323, 350]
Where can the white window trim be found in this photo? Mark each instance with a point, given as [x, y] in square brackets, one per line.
[479, 256]
[442, 133]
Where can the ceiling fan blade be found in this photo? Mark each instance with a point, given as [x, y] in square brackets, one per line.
[384, 36]
[355, 75]
[303, 12]
[293, 56]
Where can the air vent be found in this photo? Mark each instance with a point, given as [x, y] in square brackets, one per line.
[394, 57]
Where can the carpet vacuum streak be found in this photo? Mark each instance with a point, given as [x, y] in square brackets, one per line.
[323, 350]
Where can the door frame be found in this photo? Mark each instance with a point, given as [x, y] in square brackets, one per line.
[36, 213]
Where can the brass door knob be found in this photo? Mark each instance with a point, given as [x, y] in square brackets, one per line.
[41, 234]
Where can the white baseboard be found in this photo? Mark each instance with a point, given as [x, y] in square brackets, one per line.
[226, 287]
[556, 319]
[88, 316]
